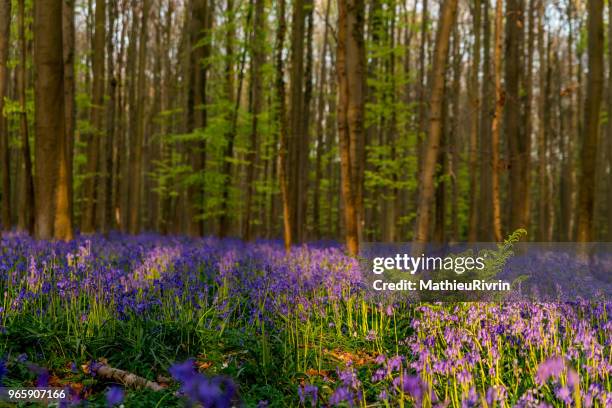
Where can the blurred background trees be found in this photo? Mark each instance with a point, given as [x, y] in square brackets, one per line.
[383, 120]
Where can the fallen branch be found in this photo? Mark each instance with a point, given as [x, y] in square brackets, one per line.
[129, 380]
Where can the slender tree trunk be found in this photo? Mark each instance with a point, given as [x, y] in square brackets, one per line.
[485, 197]
[426, 193]
[105, 210]
[304, 135]
[495, 125]
[69, 92]
[567, 183]
[127, 151]
[5, 31]
[88, 222]
[527, 103]
[283, 127]
[609, 129]
[542, 130]
[228, 155]
[136, 148]
[518, 141]
[296, 97]
[200, 26]
[422, 112]
[474, 129]
[350, 65]
[27, 207]
[316, 208]
[256, 97]
[454, 139]
[586, 194]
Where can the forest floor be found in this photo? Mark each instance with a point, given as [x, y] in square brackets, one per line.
[225, 323]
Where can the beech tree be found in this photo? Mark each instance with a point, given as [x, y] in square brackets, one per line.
[5, 30]
[592, 104]
[53, 218]
[436, 98]
[351, 93]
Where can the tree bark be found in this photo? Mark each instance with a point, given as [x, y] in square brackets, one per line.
[495, 128]
[52, 178]
[136, 148]
[27, 208]
[316, 208]
[88, 222]
[486, 231]
[350, 65]
[609, 128]
[586, 193]
[296, 124]
[542, 132]
[448, 11]
[474, 129]
[69, 92]
[5, 31]
[199, 32]
[518, 141]
[108, 144]
[282, 126]
[256, 102]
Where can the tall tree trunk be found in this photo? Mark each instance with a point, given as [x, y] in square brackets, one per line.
[5, 31]
[474, 111]
[235, 96]
[88, 222]
[69, 92]
[52, 179]
[230, 135]
[518, 144]
[454, 140]
[27, 208]
[542, 130]
[426, 193]
[316, 208]
[304, 135]
[586, 194]
[527, 103]
[495, 124]
[256, 102]
[105, 210]
[609, 129]
[486, 231]
[350, 65]
[422, 77]
[567, 183]
[127, 151]
[200, 26]
[136, 148]
[282, 126]
[296, 97]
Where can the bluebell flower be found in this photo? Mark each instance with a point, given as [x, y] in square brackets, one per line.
[114, 396]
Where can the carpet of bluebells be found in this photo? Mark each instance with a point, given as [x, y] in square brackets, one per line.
[221, 323]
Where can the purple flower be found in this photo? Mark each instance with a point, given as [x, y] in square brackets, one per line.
[410, 385]
[3, 370]
[308, 390]
[573, 380]
[553, 367]
[394, 364]
[564, 394]
[341, 394]
[216, 392]
[470, 400]
[114, 396]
